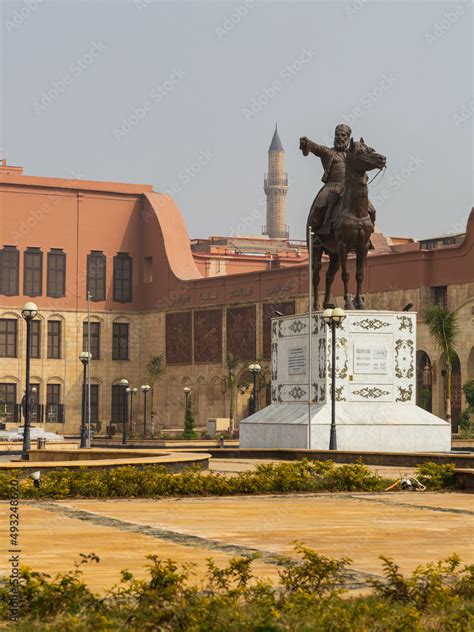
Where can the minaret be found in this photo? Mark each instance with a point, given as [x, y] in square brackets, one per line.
[276, 188]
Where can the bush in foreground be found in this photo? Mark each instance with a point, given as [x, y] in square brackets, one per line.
[308, 596]
[154, 481]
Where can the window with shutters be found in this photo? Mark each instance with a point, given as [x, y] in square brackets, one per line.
[8, 405]
[9, 271]
[56, 276]
[123, 278]
[441, 296]
[54, 408]
[96, 269]
[119, 403]
[33, 272]
[35, 338]
[8, 337]
[54, 339]
[120, 341]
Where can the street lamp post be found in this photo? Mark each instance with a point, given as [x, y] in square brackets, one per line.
[133, 392]
[124, 384]
[223, 390]
[128, 415]
[333, 319]
[28, 312]
[145, 389]
[254, 369]
[85, 358]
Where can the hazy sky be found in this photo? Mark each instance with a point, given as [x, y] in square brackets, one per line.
[185, 95]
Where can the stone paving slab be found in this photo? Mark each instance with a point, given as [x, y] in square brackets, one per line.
[51, 543]
[442, 500]
[334, 524]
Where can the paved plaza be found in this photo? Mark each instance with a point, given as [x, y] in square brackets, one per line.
[412, 528]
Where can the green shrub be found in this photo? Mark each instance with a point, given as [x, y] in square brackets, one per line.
[436, 476]
[154, 481]
[468, 390]
[356, 477]
[308, 597]
[430, 585]
[189, 432]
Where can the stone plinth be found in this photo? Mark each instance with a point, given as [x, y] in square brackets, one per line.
[375, 387]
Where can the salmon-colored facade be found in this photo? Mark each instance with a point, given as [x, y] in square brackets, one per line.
[80, 217]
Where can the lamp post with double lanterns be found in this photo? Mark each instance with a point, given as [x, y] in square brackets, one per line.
[145, 390]
[333, 318]
[28, 312]
[254, 369]
[124, 384]
[85, 357]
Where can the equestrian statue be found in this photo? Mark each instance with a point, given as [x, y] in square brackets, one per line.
[342, 218]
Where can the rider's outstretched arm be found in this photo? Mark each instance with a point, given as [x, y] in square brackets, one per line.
[308, 146]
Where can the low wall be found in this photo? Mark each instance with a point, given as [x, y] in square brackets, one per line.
[92, 454]
[407, 459]
[181, 444]
[15, 447]
[49, 460]
[465, 478]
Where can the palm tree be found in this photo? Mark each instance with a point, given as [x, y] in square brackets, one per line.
[444, 329]
[232, 365]
[155, 369]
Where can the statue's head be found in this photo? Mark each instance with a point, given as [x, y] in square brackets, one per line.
[342, 136]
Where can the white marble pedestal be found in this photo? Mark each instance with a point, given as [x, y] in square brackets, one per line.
[375, 388]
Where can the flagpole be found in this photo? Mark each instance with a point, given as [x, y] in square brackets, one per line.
[310, 318]
[89, 370]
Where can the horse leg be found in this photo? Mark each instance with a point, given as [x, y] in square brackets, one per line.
[361, 259]
[330, 274]
[342, 249]
[317, 257]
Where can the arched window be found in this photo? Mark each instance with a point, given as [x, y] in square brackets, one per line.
[424, 381]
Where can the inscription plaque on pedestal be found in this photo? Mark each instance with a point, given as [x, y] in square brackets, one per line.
[370, 359]
[297, 361]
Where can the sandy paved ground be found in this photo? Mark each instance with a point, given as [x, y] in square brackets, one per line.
[411, 527]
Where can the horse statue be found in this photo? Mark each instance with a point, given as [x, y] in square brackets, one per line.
[351, 226]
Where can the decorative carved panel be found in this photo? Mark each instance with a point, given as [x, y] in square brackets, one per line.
[179, 338]
[287, 309]
[208, 336]
[241, 332]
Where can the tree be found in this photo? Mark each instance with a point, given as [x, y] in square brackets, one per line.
[232, 365]
[444, 329]
[468, 390]
[155, 369]
[189, 420]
